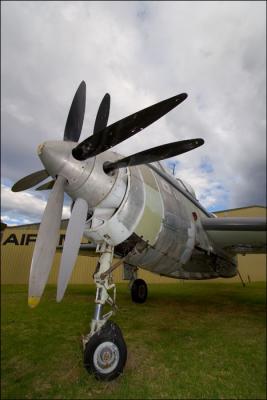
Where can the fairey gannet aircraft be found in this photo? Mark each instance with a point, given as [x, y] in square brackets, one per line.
[130, 207]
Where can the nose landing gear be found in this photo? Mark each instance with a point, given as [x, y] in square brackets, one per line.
[105, 351]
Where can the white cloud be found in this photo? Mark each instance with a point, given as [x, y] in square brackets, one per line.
[209, 191]
[29, 207]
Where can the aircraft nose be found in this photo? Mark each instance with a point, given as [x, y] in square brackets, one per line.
[54, 155]
[40, 149]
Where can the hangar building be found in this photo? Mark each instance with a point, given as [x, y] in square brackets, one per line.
[17, 243]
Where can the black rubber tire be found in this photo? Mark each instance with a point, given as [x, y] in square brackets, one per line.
[139, 291]
[110, 332]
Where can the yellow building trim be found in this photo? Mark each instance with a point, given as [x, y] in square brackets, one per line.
[251, 211]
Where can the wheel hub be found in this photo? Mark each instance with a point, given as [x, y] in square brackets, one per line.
[106, 357]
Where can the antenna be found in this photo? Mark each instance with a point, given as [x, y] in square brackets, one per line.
[173, 169]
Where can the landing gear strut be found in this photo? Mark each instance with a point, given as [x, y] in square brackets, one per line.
[105, 351]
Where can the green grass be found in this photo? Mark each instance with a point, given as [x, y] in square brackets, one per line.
[188, 341]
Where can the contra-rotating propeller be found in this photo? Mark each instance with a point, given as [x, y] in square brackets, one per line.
[103, 138]
[100, 123]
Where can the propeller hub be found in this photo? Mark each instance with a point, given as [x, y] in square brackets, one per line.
[40, 149]
[54, 154]
[57, 159]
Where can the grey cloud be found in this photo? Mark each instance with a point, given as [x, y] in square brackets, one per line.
[141, 53]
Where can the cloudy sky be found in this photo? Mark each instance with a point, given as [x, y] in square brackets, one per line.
[141, 53]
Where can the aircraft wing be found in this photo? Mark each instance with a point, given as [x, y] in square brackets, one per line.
[237, 235]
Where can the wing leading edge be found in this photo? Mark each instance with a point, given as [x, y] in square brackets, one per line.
[237, 235]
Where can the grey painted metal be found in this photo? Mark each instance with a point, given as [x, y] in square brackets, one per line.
[46, 242]
[71, 247]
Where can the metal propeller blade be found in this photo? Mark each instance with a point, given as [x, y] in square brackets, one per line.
[46, 186]
[75, 118]
[125, 128]
[155, 154]
[102, 114]
[71, 245]
[46, 243]
[30, 180]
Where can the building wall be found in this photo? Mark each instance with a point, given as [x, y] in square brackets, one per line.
[252, 267]
[252, 211]
[16, 257]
